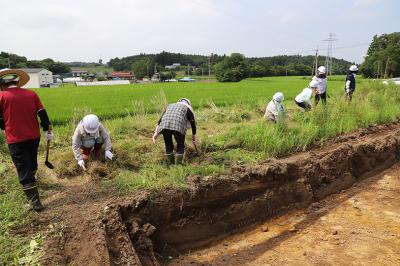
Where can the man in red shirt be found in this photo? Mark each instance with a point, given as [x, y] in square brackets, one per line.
[19, 109]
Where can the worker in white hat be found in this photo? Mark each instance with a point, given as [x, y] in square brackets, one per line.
[275, 108]
[350, 85]
[90, 135]
[19, 109]
[303, 99]
[322, 85]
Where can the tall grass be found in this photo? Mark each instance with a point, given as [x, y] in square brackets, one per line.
[373, 103]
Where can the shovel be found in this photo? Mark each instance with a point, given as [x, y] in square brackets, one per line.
[47, 163]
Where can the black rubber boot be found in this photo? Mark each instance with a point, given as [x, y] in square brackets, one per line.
[170, 159]
[179, 159]
[32, 194]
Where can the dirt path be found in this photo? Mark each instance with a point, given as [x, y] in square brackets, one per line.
[360, 226]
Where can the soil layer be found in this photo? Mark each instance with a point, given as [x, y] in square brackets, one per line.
[90, 228]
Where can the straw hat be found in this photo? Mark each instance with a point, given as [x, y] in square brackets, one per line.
[9, 75]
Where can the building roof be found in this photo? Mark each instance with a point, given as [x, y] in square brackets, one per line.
[32, 70]
[122, 74]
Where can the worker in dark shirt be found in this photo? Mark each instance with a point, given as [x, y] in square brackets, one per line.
[174, 122]
[350, 85]
[19, 109]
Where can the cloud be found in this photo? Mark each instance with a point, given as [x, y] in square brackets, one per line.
[366, 3]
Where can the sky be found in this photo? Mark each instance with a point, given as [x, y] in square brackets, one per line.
[85, 30]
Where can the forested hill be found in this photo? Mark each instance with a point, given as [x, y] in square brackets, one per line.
[258, 66]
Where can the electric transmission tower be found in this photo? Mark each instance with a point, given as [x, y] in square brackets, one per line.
[328, 59]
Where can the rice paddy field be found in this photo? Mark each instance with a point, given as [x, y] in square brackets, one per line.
[231, 132]
[122, 100]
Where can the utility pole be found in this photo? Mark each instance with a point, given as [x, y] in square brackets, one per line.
[316, 63]
[377, 74]
[328, 59]
[9, 64]
[188, 70]
[202, 74]
[209, 67]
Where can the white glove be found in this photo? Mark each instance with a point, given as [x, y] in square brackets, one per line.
[48, 135]
[156, 135]
[109, 155]
[81, 163]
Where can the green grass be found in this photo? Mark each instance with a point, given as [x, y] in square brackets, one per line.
[64, 103]
[231, 131]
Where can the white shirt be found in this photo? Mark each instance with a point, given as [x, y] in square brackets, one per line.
[321, 84]
[274, 108]
[304, 96]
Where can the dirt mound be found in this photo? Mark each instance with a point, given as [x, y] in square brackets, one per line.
[149, 227]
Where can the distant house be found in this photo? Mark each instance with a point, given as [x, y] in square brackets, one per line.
[39, 77]
[79, 73]
[173, 66]
[122, 75]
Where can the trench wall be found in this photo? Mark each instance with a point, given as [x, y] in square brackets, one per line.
[173, 222]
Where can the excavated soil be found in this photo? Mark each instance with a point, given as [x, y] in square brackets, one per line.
[88, 227]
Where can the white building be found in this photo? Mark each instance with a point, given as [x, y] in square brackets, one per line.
[39, 77]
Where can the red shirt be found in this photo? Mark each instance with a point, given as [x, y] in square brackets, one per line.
[18, 108]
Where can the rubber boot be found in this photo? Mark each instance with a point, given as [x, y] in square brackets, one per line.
[179, 159]
[170, 159]
[32, 194]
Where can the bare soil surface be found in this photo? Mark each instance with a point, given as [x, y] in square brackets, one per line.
[85, 225]
[360, 226]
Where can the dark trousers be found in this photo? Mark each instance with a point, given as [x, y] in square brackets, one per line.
[169, 145]
[322, 97]
[24, 156]
[306, 106]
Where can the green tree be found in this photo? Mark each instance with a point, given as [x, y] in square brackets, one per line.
[383, 57]
[143, 68]
[232, 69]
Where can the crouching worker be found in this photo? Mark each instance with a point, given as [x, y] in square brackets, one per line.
[275, 108]
[350, 85]
[19, 109]
[303, 100]
[90, 135]
[173, 123]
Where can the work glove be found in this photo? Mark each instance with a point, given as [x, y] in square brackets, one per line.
[155, 135]
[194, 139]
[109, 155]
[48, 135]
[81, 163]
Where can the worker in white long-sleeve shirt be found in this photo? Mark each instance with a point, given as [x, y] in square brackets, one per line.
[320, 93]
[275, 107]
[303, 100]
[350, 85]
[90, 135]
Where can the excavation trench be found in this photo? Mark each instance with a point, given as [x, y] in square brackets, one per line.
[147, 229]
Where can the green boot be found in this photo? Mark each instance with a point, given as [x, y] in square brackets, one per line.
[179, 159]
[170, 159]
[32, 195]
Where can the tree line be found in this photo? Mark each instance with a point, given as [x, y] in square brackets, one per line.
[145, 65]
[8, 60]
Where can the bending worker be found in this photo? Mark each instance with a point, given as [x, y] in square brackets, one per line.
[174, 122]
[275, 107]
[303, 100]
[320, 93]
[19, 109]
[90, 135]
[350, 85]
